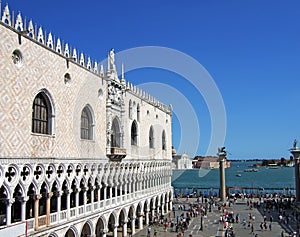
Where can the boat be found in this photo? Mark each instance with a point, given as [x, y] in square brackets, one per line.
[251, 170]
[238, 175]
[272, 166]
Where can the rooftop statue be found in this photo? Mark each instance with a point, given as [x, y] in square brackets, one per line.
[222, 150]
[295, 145]
[111, 60]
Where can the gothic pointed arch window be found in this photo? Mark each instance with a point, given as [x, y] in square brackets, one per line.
[151, 137]
[115, 134]
[87, 125]
[134, 133]
[138, 112]
[163, 140]
[42, 114]
[130, 109]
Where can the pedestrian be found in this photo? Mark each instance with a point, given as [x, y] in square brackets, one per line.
[252, 228]
[237, 218]
[148, 231]
[261, 226]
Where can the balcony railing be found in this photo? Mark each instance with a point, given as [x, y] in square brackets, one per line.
[117, 154]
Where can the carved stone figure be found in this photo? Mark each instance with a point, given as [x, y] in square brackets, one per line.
[222, 150]
[295, 145]
[111, 60]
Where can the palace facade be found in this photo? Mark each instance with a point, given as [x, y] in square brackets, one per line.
[82, 151]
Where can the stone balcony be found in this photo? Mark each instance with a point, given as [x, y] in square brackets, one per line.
[117, 154]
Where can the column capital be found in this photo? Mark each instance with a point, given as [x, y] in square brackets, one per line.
[9, 201]
[49, 195]
[38, 196]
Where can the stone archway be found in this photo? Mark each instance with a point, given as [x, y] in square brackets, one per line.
[70, 233]
[139, 217]
[86, 230]
[112, 226]
[100, 228]
[123, 223]
[16, 209]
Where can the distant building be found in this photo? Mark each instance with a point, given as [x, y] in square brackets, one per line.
[208, 162]
[181, 161]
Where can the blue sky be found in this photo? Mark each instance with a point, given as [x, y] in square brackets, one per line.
[251, 49]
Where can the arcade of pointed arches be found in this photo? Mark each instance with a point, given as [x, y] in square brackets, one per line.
[33, 193]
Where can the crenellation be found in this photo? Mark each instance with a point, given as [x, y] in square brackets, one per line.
[40, 36]
[88, 65]
[81, 60]
[50, 41]
[66, 51]
[31, 32]
[58, 46]
[95, 67]
[19, 23]
[74, 55]
[6, 19]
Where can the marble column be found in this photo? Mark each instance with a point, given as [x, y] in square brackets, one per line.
[9, 202]
[92, 199]
[147, 217]
[124, 229]
[23, 208]
[36, 211]
[58, 205]
[140, 218]
[133, 225]
[48, 203]
[296, 154]
[222, 160]
[77, 202]
[115, 231]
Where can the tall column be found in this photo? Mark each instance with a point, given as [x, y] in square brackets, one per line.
[23, 208]
[140, 218]
[147, 217]
[121, 192]
[105, 193]
[162, 209]
[68, 203]
[92, 199]
[98, 197]
[133, 225]
[124, 229]
[58, 205]
[222, 159]
[115, 231]
[153, 214]
[76, 201]
[48, 203]
[110, 194]
[36, 211]
[9, 202]
[296, 154]
[84, 189]
[167, 206]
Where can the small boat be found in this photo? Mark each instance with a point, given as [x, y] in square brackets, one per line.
[251, 170]
[238, 175]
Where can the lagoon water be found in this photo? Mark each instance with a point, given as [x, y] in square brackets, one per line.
[265, 179]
